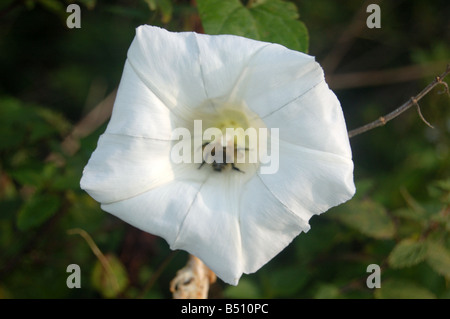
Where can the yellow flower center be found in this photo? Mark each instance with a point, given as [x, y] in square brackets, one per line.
[230, 130]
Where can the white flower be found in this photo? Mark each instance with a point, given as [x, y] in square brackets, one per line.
[235, 222]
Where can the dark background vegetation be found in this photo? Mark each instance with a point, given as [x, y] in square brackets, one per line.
[52, 77]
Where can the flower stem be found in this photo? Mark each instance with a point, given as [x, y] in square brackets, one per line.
[192, 281]
[97, 252]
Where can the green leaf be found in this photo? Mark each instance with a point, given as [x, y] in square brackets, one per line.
[152, 4]
[441, 190]
[53, 6]
[411, 214]
[37, 210]
[363, 187]
[399, 289]
[444, 184]
[366, 216]
[408, 253]
[438, 258]
[165, 7]
[35, 176]
[90, 4]
[270, 20]
[56, 120]
[27, 176]
[245, 289]
[12, 123]
[286, 281]
[327, 291]
[112, 281]
[442, 218]
[70, 179]
[22, 123]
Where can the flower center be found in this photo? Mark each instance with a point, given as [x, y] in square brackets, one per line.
[230, 138]
[233, 125]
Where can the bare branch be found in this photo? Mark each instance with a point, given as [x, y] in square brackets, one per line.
[414, 101]
[405, 106]
[94, 119]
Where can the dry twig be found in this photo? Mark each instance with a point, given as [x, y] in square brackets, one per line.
[192, 281]
[413, 101]
[97, 252]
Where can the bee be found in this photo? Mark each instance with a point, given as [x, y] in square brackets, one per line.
[219, 166]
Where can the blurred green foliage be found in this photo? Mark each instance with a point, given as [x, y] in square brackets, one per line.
[53, 76]
[272, 21]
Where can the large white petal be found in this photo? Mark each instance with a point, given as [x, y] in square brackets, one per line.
[139, 112]
[276, 76]
[310, 182]
[224, 62]
[185, 70]
[211, 229]
[314, 120]
[124, 166]
[267, 225]
[236, 226]
[203, 217]
[168, 63]
[160, 211]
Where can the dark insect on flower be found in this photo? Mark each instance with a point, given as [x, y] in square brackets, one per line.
[224, 156]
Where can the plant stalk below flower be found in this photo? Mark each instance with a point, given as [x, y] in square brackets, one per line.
[193, 280]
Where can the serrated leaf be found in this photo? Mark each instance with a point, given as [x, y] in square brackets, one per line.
[271, 21]
[438, 258]
[37, 210]
[246, 289]
[368, 217]
[112, 281]
[400, 289]
[408, 253]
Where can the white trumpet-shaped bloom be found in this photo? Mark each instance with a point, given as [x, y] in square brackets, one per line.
[234, 220]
